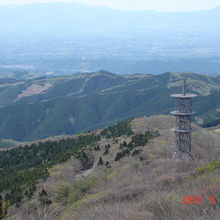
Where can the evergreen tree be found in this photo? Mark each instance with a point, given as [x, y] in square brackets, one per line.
[118, 156]
[97, 148]
[107, 147]
[100, 161]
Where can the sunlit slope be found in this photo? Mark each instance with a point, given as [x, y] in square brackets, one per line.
[121, 172]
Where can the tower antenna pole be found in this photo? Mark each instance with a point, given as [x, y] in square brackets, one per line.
[184, 86]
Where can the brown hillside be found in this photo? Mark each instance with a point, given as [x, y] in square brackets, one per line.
[144, 186]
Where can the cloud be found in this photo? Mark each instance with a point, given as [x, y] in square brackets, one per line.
[158, 5]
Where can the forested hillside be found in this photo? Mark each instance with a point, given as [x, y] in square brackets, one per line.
[121, 172]
[42, 107]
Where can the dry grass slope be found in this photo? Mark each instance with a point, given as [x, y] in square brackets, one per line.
[145, 186]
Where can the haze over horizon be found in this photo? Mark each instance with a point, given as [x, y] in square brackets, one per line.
[52, 37]
[138, 5]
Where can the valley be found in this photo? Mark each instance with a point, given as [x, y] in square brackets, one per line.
[123, 42]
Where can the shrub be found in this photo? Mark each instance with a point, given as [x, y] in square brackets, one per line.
[75, 195]
[118, 156]
[107, 164]
[124, 153]
[3, 209]
[141, 158]
[209, 167]
[97, 148]
[135, 152]
[80, 189]
[43, 198]
[124, 144]
[62, 193]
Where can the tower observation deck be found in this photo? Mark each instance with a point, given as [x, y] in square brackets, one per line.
[183, 113]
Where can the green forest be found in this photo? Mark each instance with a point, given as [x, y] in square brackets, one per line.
[83, 102]
[22, 167]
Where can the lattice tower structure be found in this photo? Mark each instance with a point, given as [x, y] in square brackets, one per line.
[183, 113]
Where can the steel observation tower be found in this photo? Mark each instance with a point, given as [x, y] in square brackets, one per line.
[183, 113]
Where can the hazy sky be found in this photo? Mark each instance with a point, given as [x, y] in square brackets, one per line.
[158, 5]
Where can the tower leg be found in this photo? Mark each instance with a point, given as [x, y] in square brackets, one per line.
[183, 147]
[181, 155]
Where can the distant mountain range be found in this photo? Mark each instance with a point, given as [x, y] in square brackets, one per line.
[61, 19]
[41, 107]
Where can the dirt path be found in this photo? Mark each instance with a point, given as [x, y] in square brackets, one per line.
[84, 173]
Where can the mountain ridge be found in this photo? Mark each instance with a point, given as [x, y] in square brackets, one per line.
[81, 102]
